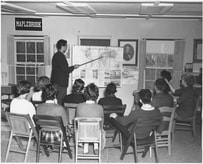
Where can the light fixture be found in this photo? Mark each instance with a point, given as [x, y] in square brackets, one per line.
[157, 4]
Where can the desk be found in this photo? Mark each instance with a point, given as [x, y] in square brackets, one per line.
[7, 94]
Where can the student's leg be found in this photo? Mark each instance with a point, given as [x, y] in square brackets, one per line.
[123, 129]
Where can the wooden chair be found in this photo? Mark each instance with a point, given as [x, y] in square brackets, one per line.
[88, 130]
[21, 127]
[50, 124]
[70, 109]
[142, 144]
[188, 124]
[110, 129]
[164, 139]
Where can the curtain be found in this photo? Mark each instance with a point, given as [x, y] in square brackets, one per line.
[11, 60]
[178, 62]
[142, 63]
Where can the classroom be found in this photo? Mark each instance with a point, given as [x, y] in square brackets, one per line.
[128, 43]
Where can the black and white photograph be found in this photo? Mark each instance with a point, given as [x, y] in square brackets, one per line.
[101, 81]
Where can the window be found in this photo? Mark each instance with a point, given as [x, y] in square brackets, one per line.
[157, 55]
[27, 58]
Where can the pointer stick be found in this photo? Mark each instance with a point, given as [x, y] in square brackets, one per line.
[91, 61]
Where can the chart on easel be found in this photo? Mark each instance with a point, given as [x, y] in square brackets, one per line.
[100, 65]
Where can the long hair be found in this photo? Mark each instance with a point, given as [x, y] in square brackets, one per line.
[91, 92]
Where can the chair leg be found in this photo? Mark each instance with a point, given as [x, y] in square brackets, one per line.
[194, 129]
[20, 144]
[146, 149]
[121, 142]
[156, 154]
[169, 144]
[68, 147]
[60, 150]
[114, 136]
[135, 152]
[38, 148]
[9, 145]
[173, 131]
[127, 144]
[28, 147]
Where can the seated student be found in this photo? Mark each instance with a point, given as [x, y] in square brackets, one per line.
[146, 112]
[91, 109]
[161, 98]
[51, 108]
[110, 97]
[20, 104]
[166, 75]
[186, 94]
[41, 83]
[77, 95]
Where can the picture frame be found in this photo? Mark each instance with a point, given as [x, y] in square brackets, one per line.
[130, 51]
[197, 51]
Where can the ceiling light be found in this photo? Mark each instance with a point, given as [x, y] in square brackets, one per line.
[158, 4]
[79, 4]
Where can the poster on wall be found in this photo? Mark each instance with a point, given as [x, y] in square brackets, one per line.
[130, 76]
[99, 65]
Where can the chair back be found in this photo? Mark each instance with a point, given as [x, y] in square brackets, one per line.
[108, 109]
[20, 123]
[70, 109]
[198, 102]
[54, 124]
[168, 116]
[88, 129]
[142, 123]
[45, 121]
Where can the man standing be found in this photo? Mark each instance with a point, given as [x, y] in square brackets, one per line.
[61, 70]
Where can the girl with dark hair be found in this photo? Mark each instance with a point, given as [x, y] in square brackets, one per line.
[91, 109]
[77, 95]
[110, 97]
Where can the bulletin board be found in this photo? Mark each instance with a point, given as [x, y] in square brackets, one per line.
[108, 68]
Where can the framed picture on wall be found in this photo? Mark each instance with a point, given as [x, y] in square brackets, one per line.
[130, 49]
[197, 51]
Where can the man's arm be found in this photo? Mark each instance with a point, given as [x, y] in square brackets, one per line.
[126, 120]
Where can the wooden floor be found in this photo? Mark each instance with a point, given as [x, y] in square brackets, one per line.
[184, 150]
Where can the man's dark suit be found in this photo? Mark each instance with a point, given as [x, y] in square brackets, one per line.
[60, 74]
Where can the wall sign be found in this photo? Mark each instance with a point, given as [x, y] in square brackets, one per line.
[29, 24]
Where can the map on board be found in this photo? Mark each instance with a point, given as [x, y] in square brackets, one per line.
[107, 68]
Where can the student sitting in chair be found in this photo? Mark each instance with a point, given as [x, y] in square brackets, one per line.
[186, 94]
[20, 104]
[110, 97]
[146, 112]
[91, 109]
[77, 95]
[161, 98]
[52, 109]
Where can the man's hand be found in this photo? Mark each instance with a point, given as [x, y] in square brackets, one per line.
[76, 66]
[113, 115]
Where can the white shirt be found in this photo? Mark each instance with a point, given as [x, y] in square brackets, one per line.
[37, 96]
[22, 106]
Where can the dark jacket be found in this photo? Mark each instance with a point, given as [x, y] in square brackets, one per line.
[162, 99]
[186, 101]
[110, 100]
[60, 70]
